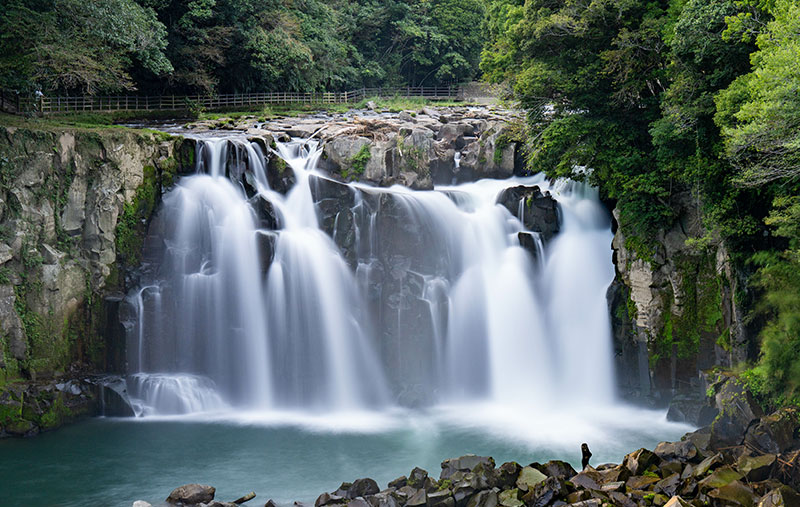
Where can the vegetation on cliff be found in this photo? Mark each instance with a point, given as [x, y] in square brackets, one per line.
[668, 97]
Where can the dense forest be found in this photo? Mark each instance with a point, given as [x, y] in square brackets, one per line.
[224, 46]
[660, 98]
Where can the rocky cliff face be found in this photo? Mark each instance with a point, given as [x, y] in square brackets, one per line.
[72, 205]
[674, 307]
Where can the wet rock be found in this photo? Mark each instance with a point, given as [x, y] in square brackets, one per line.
[529, 477]
[677, 501]
[757, 468]
[418, 499]
[509, 498]
[399, 482]
[537, 211]
[556, 468]
[710, 463]
[738, 410]
[383, 499]
[464, 463]
[719, 478]
[442, 498]
[486, 498]
[192, 494]
[362, 487]
[141, 503]
[343, 488]
[462, 492]
[669, 485]
[506, 476]
[327, 498]
[358, 502]
[773, 433]
[783, 496]
[639, 461]
[641, 481]
[734, 493]
[682, 451]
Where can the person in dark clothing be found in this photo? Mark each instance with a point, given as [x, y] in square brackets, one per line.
[586, 454]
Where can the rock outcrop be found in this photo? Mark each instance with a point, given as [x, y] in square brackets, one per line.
[674, 307]
[72, 206]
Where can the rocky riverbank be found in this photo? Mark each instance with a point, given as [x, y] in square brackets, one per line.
[743, 458]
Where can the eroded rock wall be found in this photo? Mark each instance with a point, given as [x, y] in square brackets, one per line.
[674, 307]
[72, 207]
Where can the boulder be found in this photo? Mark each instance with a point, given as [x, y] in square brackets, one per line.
[416, 479]
[668, 485]
[757, 468]
[443, 498]
[734, 493]
[783, 496]
[677, 501]
[719, 478]
[556, 468]
[192, 494]
[529, 477]
[399, 482]
[773, 433]
[464, 463]
[684, 451]
[538, 212]
[418, 499]
[639, 461]
[327, 498]
[486, 498]
[362, 487]
[506, 476]
[462, 492]
[738, 410]
[510, 498]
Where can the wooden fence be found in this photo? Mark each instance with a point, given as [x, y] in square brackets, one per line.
[50, 105]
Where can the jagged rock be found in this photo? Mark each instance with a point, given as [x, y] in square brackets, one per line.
[486, 498]
[757, 468]
[464, 463]
[668, 485]
[639, 461]
[399, 482]
[506, 476]
[670, 451]
[362, 487]
[192, 494]
[555, 468]
[773, 433]
[417, 477]
[641, 481]
[707, 464]
[738, 410]
[510, 498]
[720, 477]
[529, 477]
[539, 212]
[442, 498]
[327, 498]
[418, 499]
[343, 489]
[462, 491]
[677, 501]
[358, 502]
[383, 499]
[734, 493]
[783, 496]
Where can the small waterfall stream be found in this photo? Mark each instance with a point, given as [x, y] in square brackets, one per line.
[404, 297]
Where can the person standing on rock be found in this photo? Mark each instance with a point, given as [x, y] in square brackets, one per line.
[586, 454]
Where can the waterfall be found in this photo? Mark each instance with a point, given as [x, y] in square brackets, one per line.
[365, 297]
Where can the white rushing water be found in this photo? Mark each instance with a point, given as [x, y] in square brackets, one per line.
[432, 303]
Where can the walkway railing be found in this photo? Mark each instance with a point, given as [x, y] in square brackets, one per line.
[90, 103]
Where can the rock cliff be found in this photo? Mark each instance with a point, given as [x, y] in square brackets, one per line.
[72, 208]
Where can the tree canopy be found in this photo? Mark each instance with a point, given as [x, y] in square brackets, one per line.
[205, 46]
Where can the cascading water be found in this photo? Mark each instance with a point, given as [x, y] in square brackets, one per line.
[432, 301]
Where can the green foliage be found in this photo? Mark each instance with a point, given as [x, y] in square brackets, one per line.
[79, 45]
[131, 222]
[358, 163]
